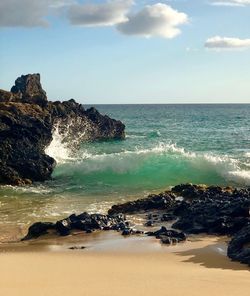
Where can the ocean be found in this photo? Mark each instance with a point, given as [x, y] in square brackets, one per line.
[165, 145]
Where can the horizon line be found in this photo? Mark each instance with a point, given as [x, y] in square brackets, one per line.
[165, 103]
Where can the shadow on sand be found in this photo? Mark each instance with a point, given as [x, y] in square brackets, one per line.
[212, 256]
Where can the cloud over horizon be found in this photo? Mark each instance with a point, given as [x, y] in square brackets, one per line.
[224, 43]
[232, 3]
[158, 20]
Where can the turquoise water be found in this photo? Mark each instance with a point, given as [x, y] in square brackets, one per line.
[165, 145]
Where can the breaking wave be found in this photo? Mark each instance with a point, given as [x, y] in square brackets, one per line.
[163, 165]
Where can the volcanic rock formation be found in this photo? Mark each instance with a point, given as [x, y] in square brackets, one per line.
[27, 121]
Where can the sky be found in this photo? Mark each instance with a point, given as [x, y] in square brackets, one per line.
[129, 51]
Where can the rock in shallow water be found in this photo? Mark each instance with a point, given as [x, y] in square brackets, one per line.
[212, 210]
[38, 229]
[84, 222]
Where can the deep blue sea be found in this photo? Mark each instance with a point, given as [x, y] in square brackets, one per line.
[165, 145]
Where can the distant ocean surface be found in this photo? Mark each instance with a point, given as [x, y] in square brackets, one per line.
[165, 145]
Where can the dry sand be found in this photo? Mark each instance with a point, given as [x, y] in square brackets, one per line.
[195, 268]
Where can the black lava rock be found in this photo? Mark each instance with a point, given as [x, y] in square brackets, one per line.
[38, 229]
[161, 201]
[168, 236]
[27, 122]
[239, 246]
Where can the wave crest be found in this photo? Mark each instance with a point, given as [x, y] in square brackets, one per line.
[162, 165]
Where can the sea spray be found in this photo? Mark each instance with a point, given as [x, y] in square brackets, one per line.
[163, 165]
[58, 149]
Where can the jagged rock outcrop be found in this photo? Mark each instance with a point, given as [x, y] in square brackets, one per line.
[29, 89]
[27, 120]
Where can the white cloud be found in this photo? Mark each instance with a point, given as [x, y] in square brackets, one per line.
[224, 43]
[28, 13]
[107, 14]
[154, 20]
[231, 3]
[151, 20]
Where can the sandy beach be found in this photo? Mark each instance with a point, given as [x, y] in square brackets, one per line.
[198, 267]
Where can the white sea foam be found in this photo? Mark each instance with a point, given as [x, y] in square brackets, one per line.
[128, 136]
[57, 149]
[129, 161]
[242, 177]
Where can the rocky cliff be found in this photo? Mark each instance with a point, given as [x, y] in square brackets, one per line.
[27, 120]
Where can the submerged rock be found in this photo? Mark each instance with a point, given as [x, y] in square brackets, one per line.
[27, 122]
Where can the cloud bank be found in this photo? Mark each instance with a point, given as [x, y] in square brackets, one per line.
[156, 20]
[159, 20]
[224, 43]
[231, 3]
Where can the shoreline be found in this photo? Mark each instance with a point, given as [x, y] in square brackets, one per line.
[171, 217]
[196, 267]
[109, 242]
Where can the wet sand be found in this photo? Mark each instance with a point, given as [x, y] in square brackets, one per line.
[122, 266]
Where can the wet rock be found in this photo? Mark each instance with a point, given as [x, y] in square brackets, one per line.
[127, 231]
[38, 229]
[167, 217]
[149, 216]
[63, 227]
[239, 246]
[168, 236]
[149, 224]
[161, 201]
[77, 248]
[214, 211]
[197, 209]
[84, 222]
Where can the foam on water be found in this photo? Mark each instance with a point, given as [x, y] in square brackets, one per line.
[160, 163]
[165, 146]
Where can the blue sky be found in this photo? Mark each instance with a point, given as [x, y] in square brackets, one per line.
[182, 51]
